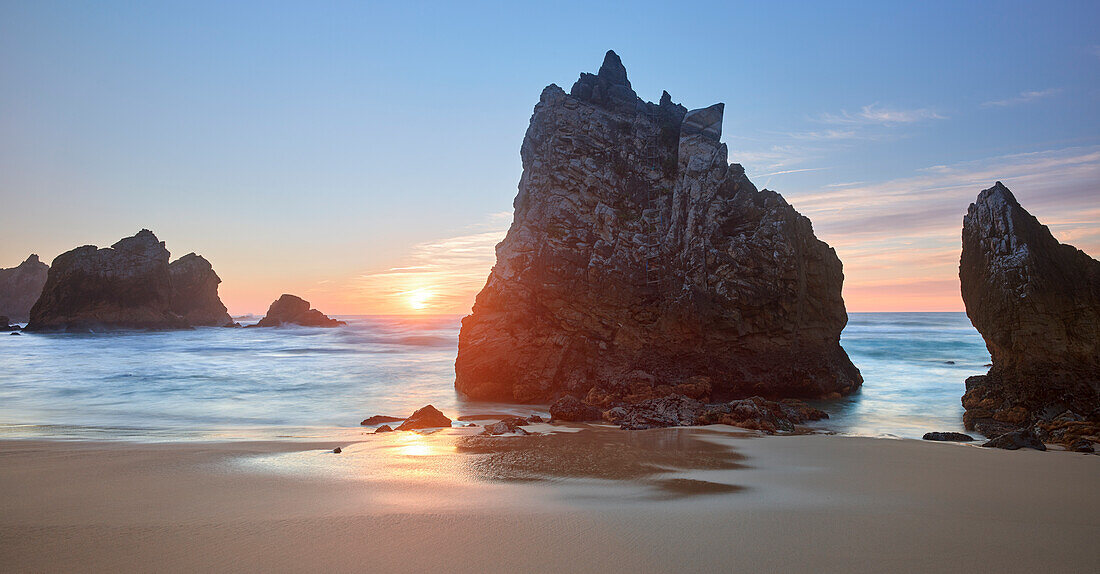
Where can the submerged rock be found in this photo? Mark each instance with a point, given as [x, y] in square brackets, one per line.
[510, 425]
[195, 292]
[637, 247]
[426, 417]
[290, 309]
[948, 436]
[20, 287]
[381, 419]
[572, 409]
[5, 326]
[1016, 440]
[1036, 303]
[124, 286]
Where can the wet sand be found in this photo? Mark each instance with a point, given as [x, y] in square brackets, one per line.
[593, 500]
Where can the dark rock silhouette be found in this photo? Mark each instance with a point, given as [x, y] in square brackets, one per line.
[195, 292]
[129, 285]
[1036, 303]
[123, 286]
[5, 326]
[293, 310]
[20, 287]
[637, 247]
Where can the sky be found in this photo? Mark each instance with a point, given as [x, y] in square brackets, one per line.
[365, 155]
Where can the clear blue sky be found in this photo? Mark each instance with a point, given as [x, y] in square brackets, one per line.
[317, 144]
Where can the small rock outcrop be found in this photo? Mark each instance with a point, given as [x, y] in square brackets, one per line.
[383, 428]
[1036, 303]
[1016, 440]
[124, 286]
[424, 418]
[947, 437]
[129, 285]
[638, 248]
[293, 310]
[572, 409]
[20, 287]
[758, 413]
[670, 411]
[5, 326]
[195, 292]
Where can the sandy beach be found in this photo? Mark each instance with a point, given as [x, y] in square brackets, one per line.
[593, 499]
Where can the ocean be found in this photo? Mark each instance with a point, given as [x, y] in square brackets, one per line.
[307, 383]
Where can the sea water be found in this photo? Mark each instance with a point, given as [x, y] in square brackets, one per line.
[229, 384]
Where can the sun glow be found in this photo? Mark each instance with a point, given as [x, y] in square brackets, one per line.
[418, 299]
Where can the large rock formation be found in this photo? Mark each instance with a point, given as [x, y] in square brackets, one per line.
[1037, 304]
[195, 292]
[293, 310]
[20, 287]
[126, 286]
[640, 257]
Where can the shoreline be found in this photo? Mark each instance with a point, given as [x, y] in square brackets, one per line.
[595, 499]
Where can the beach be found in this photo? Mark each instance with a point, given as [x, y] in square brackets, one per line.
[582, 498]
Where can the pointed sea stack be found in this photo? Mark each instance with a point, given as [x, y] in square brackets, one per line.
[20, 287]
[641, 263]
[195, 292]
[1036, 303]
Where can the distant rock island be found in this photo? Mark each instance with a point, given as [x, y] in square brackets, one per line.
[293, 310]
[640, 263]
[129, 285]
[1036, 303]
[20, 287]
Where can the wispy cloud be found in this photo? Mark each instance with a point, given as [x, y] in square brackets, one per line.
[792, 171]
[441, 276]
[875, 114]
[1023, 98]
[904, 231]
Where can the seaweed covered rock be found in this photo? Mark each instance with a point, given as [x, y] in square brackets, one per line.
[1036, 303]
[638, 248]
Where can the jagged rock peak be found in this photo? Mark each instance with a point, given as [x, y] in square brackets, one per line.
[20, 287]
[613, 70]
[1036, 303]
[640, 261]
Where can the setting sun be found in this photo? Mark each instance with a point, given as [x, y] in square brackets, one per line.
[418, 299]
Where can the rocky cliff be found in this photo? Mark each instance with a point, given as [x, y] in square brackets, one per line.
[641, 263]
[129, 285]
[20, 287]
[195, 292]
[1037, 304]
[293, 310]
